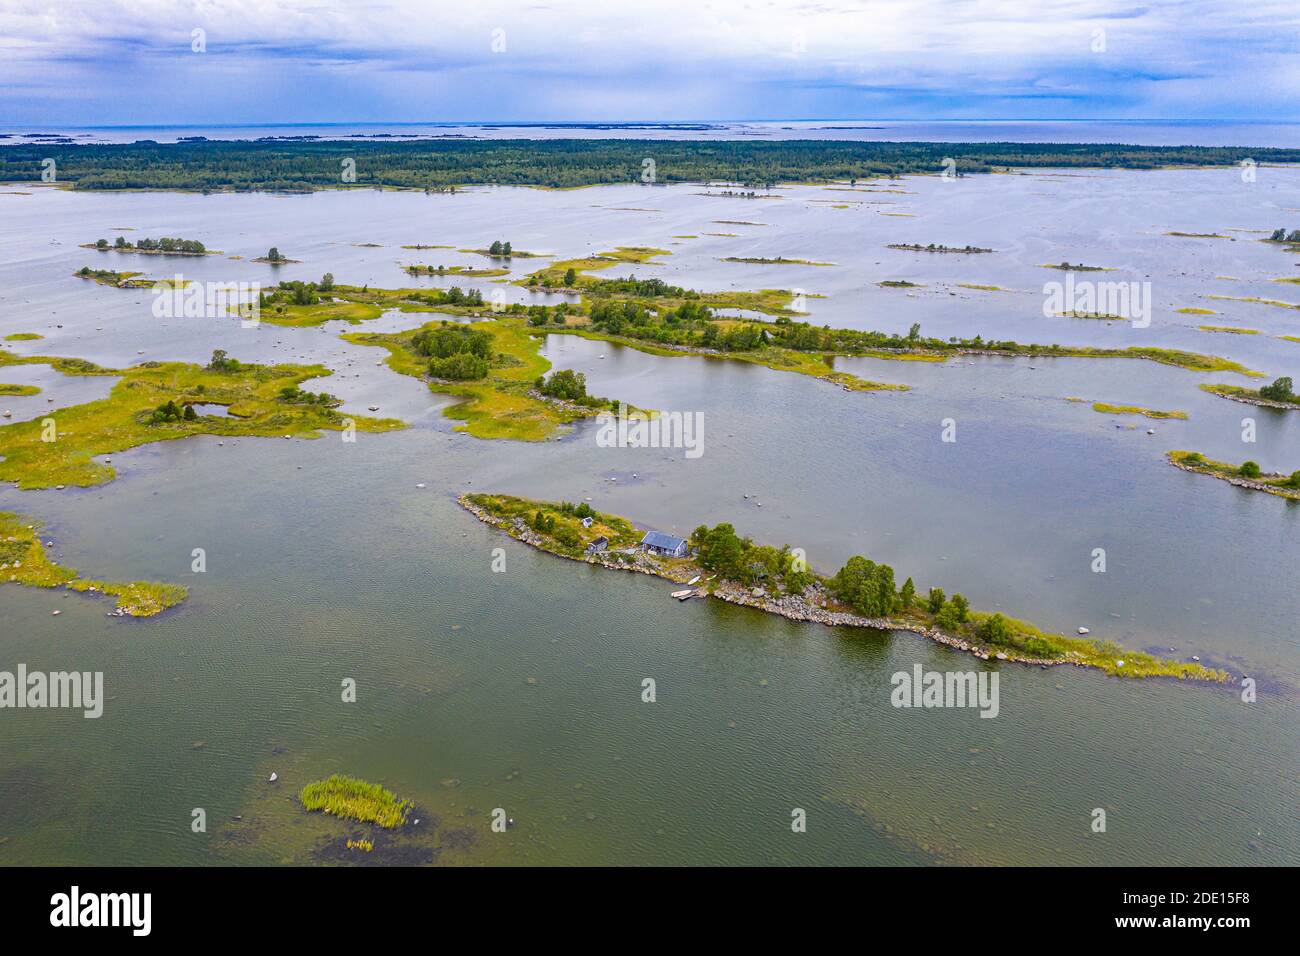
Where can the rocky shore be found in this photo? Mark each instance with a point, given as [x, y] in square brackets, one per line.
[1240, 482]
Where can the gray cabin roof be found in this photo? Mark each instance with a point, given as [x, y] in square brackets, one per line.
[657, 539]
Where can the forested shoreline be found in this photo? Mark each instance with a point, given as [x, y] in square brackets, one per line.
[441, 165]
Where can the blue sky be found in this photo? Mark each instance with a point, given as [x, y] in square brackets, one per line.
[277, 61]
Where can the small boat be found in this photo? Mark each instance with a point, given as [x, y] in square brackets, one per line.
[681, 595]
[1084, 630]
[694, 580]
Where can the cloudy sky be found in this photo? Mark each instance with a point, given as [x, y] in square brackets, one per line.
[287, 61]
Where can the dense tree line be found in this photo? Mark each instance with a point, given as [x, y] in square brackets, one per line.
[433, 165]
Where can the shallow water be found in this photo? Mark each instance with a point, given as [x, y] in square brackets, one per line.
[522, 689]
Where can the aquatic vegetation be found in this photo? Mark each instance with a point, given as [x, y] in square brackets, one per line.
[898, 284]
[1246, 475]
[23, 337]
[1276, 303]
[778, 261]
[1194, 310]
[1198, 235]
[917, 247]
[982, 288]
[1108, 409]
[467, 271]
[351, 799]
[1228, 329]
[1080, 267]
[63, 446]
[862, 593]
[23, 561]
[6, 389]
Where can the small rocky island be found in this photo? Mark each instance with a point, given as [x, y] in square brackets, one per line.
[716, 562]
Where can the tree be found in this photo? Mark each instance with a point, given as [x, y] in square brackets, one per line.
[565, 384]
[190, 413]
[1294, 480]
[722, 550]
[495, 248]
[962, 607]
[1279, 391]
[274, 255]
[934, 602]
[907, 594]
[505, 249]
[947, 619]
[570, 276]
[1249, 469]
[996, 629]
[866, 587]
[221, 363]
[327, 282]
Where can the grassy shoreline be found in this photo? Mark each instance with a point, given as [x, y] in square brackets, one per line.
[23, 561]
[67, 446]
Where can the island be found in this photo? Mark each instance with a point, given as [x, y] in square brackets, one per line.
[1278, 394]
[164, 401]
[155, 247]
[1246, 475]
[23, 561]
[717, 562]
[917, 247]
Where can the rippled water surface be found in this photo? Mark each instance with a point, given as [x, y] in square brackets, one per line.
[522, 690]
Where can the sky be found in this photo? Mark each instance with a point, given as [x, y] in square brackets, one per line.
[208, 62]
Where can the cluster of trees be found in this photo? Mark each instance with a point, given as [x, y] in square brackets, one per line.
[298, 293]
[500, 249]
[721, 550]
[543, 523]
[455, 352]
[1281, 235]
[566, 385]
[169, 411]
[1279, 390]
[164, 244]
[541, 314]
[434, 164]
[293, 395]
[274, 255]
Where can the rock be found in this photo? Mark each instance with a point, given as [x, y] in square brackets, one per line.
[274, 778]
[1084, 630]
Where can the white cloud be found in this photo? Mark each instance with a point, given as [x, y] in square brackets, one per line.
[670, 59]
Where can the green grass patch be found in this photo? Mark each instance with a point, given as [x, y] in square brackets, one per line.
[23, 561]
[61, 446]
[351, 799]
[1108, 409]
[1228, 329]
[23, 337]
[18, 389]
